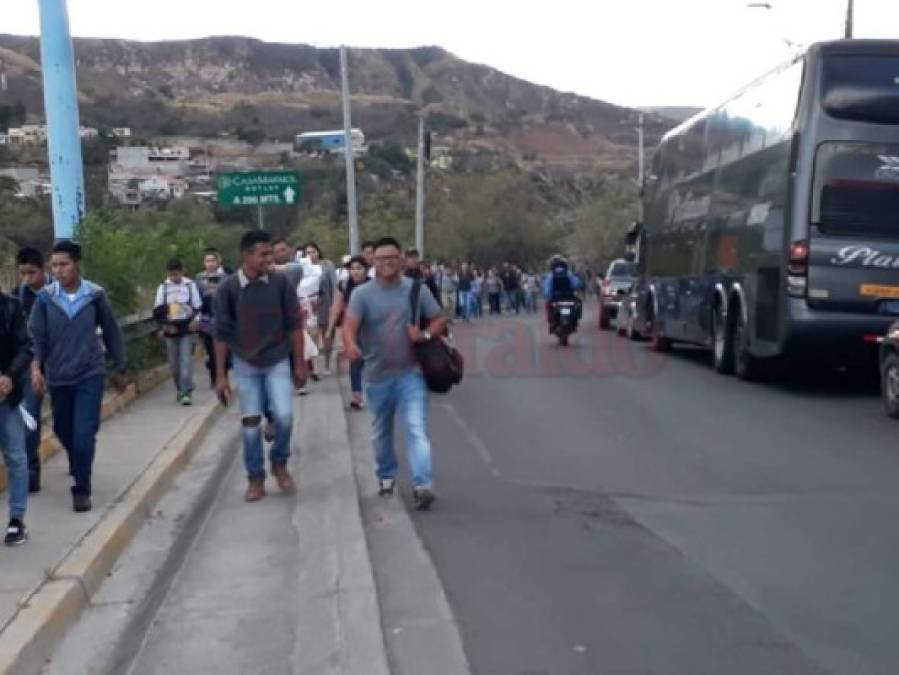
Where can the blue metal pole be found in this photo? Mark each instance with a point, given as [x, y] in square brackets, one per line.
[61, 108]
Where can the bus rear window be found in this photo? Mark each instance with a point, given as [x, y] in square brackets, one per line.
[857, 190]
[862, 88]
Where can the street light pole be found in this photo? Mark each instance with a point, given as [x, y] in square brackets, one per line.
[850, 16]
[420, 191]
[61, 109]
[349, 155]
[640, 166]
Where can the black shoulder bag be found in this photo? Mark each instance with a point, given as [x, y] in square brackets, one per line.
[441, 363]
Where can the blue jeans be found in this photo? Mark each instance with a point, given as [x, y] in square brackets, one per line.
[464, 300]
[12, 442]
[356, 368]
[264, 391]
[407, 394]
[34, 405]
[76, 420]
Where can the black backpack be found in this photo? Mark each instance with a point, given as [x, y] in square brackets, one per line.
[561, 283]
[441, 363]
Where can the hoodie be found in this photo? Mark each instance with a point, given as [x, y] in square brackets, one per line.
[65, 334]
[15, 347]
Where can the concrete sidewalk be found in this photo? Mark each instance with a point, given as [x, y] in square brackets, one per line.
[128, 444]
[214, 585]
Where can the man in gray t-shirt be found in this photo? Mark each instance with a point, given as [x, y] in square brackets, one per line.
[379, 327]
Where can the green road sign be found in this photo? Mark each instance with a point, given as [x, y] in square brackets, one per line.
[259, 188]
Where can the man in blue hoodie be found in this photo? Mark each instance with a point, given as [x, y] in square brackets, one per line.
[69, 360]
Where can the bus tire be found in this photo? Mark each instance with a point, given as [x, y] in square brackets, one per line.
[890, 385]
[722, 341]
[746, 366]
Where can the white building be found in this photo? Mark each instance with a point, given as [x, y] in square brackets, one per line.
[121, 132]
[88, 132]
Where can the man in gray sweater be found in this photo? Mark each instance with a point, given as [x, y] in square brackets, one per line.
[257, 319]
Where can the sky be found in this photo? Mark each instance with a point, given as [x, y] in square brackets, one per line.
[629, 52]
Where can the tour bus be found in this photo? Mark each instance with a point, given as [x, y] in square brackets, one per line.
[772, 220]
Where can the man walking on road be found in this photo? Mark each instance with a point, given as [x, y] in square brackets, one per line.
[33, 279]
[257, 318]
[378, 327]
[68, 358]
[15, 355]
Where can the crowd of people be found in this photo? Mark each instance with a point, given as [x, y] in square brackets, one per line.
[269, 327]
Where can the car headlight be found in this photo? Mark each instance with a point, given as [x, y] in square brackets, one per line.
[893, 334]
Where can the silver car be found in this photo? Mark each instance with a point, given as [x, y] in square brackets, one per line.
[614, 291]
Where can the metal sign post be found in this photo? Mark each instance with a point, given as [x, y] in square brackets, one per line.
[61, 108]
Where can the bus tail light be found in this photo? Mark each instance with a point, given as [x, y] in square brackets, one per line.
[797, 269]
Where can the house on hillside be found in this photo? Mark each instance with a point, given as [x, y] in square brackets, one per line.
[141, 173]
[121, 132]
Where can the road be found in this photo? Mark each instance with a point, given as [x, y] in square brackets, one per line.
[603, 510]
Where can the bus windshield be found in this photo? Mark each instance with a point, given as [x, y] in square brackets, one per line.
[857, 190]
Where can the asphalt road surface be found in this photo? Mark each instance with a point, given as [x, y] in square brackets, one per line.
[603, 509]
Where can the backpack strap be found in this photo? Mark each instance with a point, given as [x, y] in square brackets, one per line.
[415, 300]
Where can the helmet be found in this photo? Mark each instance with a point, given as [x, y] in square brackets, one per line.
[558, 260]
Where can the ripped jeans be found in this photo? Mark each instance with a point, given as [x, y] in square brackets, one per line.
[260, 390]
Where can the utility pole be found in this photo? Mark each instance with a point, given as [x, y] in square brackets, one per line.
[850, 12]
[420, 191]
[260, 217]
[61, 109]
[640, 168]
[350, 155]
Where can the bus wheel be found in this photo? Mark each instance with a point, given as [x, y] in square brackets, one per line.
[722, 343]
[890, 384]
[746, 366]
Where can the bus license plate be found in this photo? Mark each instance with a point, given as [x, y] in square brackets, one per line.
[566, 311]
[876, 291]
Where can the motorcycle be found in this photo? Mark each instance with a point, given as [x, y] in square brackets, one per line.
[566, 314]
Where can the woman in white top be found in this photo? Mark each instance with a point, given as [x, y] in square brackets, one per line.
[316, 293]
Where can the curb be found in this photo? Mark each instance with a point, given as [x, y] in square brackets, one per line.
[28, 639]
[113, 403]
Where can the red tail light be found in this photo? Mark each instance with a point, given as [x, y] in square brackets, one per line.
[799, 254]
[797, 269]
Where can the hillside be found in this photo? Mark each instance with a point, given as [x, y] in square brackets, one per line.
[223, 84]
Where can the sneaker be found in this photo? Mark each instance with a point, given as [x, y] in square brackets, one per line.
[423, 497]
[302, 391]
[187, 400]
[81, 503]
[16, 533]
[386, 487]
[255, 490]
[283, 478]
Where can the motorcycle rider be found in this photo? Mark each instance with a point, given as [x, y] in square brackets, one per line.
[560, 285]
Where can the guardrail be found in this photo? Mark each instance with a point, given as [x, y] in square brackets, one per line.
[137, 326]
